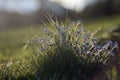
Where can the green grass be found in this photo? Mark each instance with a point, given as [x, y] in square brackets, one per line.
[14, 39]
[13, 43]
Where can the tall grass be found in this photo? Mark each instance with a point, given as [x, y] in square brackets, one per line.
[70, 52]
[67, 51]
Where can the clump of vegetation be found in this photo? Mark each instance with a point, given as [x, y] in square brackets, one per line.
[17, 70]
[68, 53]
[65, 52]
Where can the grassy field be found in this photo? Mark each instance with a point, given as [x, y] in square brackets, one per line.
[13, 43]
